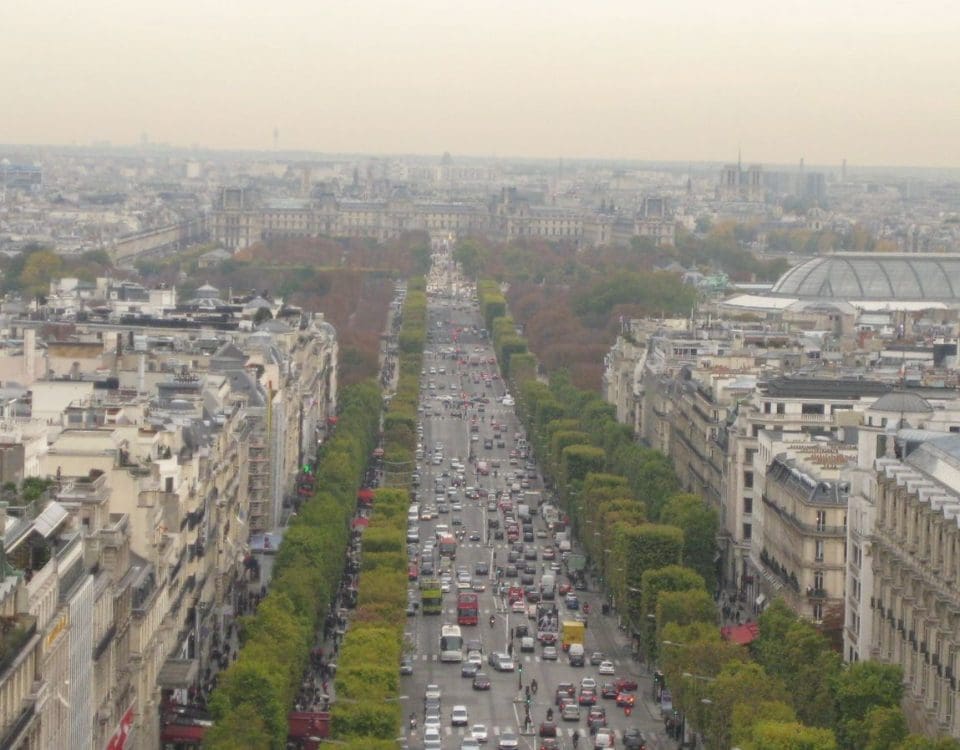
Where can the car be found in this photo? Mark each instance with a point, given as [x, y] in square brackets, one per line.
[626, 699]
[625, 685]
[519, 607]
[508, 740]
[596, 657]
[571, 601]
[565, 690]
[633, 739]
[603, 738]
[570, 712]
[406, 665]
[606, 667]
[432, 718]
[479, 732]
[474, 656]
[431, 706]
[432, 739]
[469, 669]
[587, 697]
[432, 692]
[474, 536]
[597, 717]
[458, 716]
[588, 683]
[548, 729]
[549, 743]
[469, 743]
[527, 643]
[608, 690]
[481, 569]
[511, 570]
[481, 681]
[549, 653]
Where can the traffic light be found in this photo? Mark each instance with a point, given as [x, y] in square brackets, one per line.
[520, 667]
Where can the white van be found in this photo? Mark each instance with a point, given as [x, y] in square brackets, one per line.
[413, 514]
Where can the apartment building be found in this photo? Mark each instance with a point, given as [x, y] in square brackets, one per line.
[915, 603]
[799, 536]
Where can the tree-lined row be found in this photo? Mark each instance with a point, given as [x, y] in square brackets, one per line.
[655, 548]
[400, 421]
[255, 694]
[367, 713]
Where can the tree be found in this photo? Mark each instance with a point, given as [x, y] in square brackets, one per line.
[862, 686]
[737, 683]
[653, 583]
[779, 735]
[884, 728]
[262, 315]
[746, 717]
[38, 269]
[699, 523]
[920, 742]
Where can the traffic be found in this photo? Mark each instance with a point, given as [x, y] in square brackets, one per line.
[509, 644]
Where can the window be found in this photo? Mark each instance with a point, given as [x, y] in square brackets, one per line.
[818, 580]
[781, 408]
[811, 409]
[747, 532]
[818, 555]
[821, 520]
[818, 612]
[748, 505]
[748, 479]
[766, 407]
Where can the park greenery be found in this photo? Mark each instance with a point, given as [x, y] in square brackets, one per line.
[652, 546]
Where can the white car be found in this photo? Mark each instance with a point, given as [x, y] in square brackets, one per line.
[432, 739]
[508, 740]
[606, 667]
[458, 716]
[479, 732]
[432, 719]
[475, 657]
[588, 683]
[469, 743]
[432, 692]
[519, 607]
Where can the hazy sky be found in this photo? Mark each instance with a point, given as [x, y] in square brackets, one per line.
[874, 82]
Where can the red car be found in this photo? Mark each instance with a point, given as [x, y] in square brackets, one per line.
[587, 697]
[625, 685]
[550, 743]
[548, 729]
[626, 699]
[564, 588]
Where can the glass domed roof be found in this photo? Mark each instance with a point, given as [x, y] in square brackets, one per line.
[874, 276]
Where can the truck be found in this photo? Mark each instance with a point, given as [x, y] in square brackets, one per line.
[448, 546]
[523, 512]
[483, 468]
[431, 596]
[572, 632]
[533, 498]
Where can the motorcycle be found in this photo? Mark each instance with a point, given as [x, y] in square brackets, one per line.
[493, 621]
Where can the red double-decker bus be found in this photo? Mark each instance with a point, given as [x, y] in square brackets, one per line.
[468, 609]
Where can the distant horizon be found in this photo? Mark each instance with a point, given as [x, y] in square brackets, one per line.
[870, 82]
[301, 154]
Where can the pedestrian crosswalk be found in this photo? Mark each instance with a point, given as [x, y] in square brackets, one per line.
[498, 730]
[526, 658]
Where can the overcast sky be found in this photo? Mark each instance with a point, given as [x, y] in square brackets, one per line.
[874, 82]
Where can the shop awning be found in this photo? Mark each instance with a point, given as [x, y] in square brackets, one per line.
[365, 495]
[178, 673]
[741, 634]
[360, 522]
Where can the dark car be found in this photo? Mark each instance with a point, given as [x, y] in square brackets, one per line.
[608, 690]
[597, 717]
[548, 729]
[469, 669]
[481, 681]
[511, 571]
[625, 685]
[633, 739]
[549, 743]
[565, 691]
[481, 569]
[571, 601]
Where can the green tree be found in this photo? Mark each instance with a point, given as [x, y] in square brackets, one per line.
[862, 686]
[779, 735]
[699, 523]
[38, 269]
[884, 728]
[746, 717]
[921, 742]
[737, 683]
[262, 315]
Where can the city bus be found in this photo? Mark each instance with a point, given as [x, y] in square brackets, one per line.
[451, 643]
[468, 609]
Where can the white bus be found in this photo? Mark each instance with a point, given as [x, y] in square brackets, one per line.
[451, 643]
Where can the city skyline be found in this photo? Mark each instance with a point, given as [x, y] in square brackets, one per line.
[693, 81]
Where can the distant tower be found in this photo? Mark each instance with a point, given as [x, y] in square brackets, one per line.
[276, 138]
[843, 171]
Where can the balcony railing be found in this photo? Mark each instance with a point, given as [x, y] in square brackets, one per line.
[801, 526]
[12, 642]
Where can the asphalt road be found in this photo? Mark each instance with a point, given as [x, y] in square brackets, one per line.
[500, 709]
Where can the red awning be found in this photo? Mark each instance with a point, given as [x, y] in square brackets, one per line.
[360, 522]
[365, 495]
[741, 634]
[333, 420]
